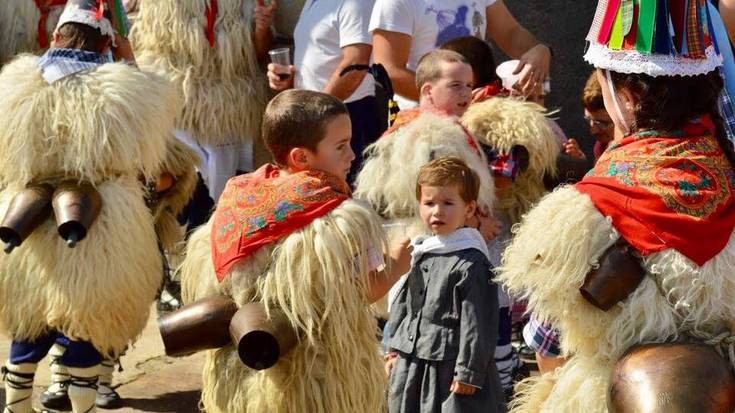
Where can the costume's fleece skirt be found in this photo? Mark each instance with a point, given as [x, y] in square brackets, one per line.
[101, 290]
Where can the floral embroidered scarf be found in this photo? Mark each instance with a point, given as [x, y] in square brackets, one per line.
[265, 206]
[672, 190]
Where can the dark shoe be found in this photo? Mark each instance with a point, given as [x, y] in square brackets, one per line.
[107, 398]
[56, 400]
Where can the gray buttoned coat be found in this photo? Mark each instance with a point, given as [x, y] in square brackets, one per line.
[444, 326]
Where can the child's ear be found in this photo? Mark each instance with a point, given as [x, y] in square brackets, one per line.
[298, 159]
[471, 207]
[425, 90]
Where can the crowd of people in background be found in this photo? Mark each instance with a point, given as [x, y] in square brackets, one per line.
[410, 75]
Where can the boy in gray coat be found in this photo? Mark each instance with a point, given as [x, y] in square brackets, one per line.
[445, 318]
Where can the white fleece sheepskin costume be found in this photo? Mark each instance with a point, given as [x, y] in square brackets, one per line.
[313, 276]
[503, 123]
[223, 86]
[387, 180]
[561, 240]
[107, 126]
[557, 244]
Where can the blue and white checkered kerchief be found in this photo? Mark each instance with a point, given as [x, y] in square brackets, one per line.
[57, 64]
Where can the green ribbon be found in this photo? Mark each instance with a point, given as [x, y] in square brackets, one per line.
[646, 24]
[617, 36]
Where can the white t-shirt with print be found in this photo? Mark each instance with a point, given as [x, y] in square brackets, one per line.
[323, 29]
[430, 23]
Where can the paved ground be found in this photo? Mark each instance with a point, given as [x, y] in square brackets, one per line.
[150, 381]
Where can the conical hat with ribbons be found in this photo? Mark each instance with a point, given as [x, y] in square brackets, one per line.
[653, 37]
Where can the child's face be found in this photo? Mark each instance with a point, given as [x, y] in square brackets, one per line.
[452, 93]
[334, 153]
[443, 210]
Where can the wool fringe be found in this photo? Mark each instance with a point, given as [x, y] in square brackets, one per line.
[58, 131]
[223, 87]
[503, 123]
[388, 177]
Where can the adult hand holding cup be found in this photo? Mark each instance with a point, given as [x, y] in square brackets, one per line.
[280, 70]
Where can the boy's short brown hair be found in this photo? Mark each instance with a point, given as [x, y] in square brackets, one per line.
[446, 171]
[298, 119]
[429, 69]
[592, 94]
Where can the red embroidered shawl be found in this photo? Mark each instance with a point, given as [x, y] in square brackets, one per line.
[265, 206]
[667, 191]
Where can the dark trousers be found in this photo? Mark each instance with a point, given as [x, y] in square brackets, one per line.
[80, 354]
[199, 208]
[366, 129]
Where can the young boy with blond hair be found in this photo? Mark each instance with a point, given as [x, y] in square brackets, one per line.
[444, 321]
[445, 81]
[290, 237]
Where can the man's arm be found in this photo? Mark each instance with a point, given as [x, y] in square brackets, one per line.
[262, 35]
[392, 49]
[518, 43]
[727, 11]
[342, 87]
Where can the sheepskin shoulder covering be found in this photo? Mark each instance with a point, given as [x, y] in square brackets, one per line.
[111, 120]
[387, 180]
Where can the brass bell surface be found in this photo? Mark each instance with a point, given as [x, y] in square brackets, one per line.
[672, 378]
[27, 210]
[261, 341]
[76, 206]
[618, 275]
[198, 326]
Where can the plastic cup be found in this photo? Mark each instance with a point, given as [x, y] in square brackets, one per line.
[505, 73]
[282, 57]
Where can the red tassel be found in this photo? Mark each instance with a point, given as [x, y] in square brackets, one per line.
[100, 9]
[42, 36]
[211, 14]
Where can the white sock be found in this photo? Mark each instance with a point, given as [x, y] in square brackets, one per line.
[19, 387]
[59, 372]
[83, 389]
[104, 385]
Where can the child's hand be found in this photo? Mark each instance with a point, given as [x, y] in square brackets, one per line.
[400, 256]
[462, 389]
[571, 148]
[390, 362]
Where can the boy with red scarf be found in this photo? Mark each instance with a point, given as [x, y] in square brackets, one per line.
[289, 235]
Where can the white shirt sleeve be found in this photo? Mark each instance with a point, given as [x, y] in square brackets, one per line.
[394, 16]
[353, 18]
